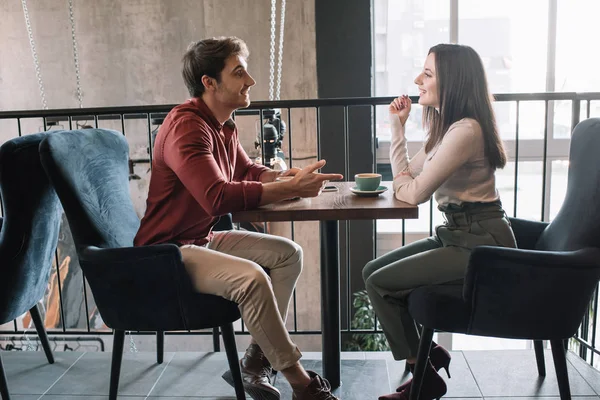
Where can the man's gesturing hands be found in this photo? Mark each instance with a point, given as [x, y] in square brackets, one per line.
[308, 183]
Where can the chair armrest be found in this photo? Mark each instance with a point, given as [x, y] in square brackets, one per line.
[527, 232]
[225, 223]
[137, 288]
[529, 293]
[136, 256]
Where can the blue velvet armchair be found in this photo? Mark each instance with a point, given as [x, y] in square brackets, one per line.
[135, 288]
[539, 291]
[28, 237]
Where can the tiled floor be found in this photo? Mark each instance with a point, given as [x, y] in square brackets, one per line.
[497, 375]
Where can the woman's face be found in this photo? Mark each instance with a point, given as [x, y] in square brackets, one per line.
[427, 83]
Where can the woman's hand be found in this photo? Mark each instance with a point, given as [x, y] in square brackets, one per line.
[401, 108]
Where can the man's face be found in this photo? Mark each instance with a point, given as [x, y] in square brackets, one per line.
[233, 91]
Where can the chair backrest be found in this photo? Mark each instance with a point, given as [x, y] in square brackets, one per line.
[89, 170]
[577, 224]
[30, 226]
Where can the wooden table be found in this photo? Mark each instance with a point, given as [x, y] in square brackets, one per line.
[330, 208]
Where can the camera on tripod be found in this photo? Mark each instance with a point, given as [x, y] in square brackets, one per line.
[273, 130]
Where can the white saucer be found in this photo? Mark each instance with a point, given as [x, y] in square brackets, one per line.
[368, 193]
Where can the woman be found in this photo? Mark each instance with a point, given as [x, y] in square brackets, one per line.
[457, 164]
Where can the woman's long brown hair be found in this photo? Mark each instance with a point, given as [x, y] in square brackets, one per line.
[463, 93]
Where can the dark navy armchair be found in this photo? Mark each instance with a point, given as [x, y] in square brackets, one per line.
[539, 291]
[135, 288]
[29, 235]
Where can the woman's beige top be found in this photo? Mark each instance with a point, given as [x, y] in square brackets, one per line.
[456, 169]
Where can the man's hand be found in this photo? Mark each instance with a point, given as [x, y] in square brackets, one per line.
[290, 172]
[308, 183]
[272, 175]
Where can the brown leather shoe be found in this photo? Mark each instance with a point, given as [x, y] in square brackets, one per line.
[317, 389]
[256, 375]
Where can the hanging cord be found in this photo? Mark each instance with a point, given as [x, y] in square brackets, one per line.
[272, 54]
[36, 62]
[75, 55]
[280, 55]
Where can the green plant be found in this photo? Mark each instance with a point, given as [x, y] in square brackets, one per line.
[364, 318]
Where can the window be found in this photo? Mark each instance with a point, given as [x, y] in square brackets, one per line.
[512, 39]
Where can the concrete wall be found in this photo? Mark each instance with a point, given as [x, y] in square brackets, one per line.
[130, 51]
[129, 54]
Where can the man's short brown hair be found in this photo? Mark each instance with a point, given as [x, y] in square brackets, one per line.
[207, 57]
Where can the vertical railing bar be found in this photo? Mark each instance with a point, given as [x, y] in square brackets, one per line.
[348, 281]
[19, 127]
[289, 130]
[347, 223]
[544, 160]
[15, 324]
[431, 217]
[374, 150]
[60, 295]
[403, 232]
[594, 325]
[96, 121]
[262, 138]
[149, 119]
[584, 331]
[318, 116]
[45, 124]
[294, 293]
[122, 118]
[265, 162]
[587, 109]
[70, 119]
[346, 145]
[515, 199]
[85, 298]
[575, 112]
[291, 165]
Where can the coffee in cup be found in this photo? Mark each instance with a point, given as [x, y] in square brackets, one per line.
[367, 182]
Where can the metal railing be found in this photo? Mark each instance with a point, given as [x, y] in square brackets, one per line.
[145, 120]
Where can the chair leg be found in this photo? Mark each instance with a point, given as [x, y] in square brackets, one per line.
[422, 358]
[560, 365]
[538, 345]
[3, 383]
[39, 327]
[160, 346]
[216, 342]
[232, 358]
[115, 368]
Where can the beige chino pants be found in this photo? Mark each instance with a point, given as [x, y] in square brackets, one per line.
[231, 266]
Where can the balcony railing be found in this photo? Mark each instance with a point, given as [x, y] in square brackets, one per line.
[536, 138]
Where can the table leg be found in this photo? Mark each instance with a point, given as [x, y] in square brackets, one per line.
[330, 302]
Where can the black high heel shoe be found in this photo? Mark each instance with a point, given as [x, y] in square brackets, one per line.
[433, 387]
[439, 357]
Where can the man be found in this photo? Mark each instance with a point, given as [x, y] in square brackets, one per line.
[200, 172]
